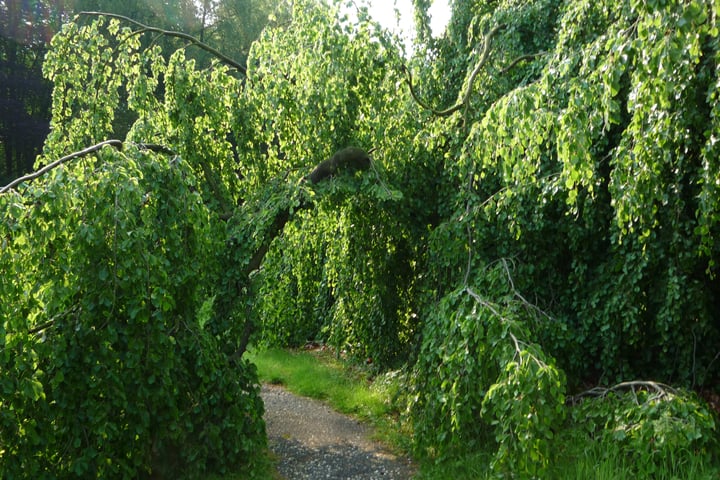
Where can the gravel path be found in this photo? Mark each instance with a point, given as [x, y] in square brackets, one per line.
[311, 441]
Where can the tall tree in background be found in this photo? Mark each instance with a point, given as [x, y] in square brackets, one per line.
[25, 32]
[179, 15]
[232, 26]
[27, 27]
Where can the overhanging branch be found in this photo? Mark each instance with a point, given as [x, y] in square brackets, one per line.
[31, 176]
[173, 33]
[86, 151]
[466, 96]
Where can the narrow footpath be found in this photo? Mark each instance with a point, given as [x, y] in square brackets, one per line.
[312, 441]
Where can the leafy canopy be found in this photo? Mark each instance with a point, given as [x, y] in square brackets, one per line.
[558, 228]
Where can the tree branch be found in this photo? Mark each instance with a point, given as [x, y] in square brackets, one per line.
[173, 33]
[42, 327]
[114, 143]
[519, 59]
[350, 158]
[466, 96]
[281, 218]
[660, 389]
[153, 147]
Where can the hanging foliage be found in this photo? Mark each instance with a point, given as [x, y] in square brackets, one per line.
[539, 212]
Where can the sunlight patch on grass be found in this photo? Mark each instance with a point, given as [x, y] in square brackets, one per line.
[319, 375]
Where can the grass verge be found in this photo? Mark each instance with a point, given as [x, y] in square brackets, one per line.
[350, 390]
[318, 375]
[379, 400]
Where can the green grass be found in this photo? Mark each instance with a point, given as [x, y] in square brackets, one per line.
[379, 400]
[350, 390]
[318, 375]
[596, 461]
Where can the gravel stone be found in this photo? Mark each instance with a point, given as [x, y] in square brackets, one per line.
[312, 441]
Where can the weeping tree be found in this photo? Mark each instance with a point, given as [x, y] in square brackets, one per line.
[582, 246]
[127, 265]
[548, 224]
[539, 215]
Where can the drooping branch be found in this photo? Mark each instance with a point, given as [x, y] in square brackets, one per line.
[172, 33]
[661, 390]
[484, 55]
[86, 151]
[347, 159]
[31, 176]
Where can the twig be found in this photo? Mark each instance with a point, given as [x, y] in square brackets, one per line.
[51, 323]
[154, 147]
[377, 174]
[41, 327]
[518, 295]
[173, 33]
[499, 316]
[31, 176]
[470, 253]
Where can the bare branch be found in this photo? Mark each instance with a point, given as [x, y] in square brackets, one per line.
[661, 390]
[466, 96]
[114, 143]
[521, 58]
[172, 33]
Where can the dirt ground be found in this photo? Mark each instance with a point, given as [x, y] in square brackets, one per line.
[311, 441]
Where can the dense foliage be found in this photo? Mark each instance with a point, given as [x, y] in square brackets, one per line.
[360, 238]
[557, 230]
[27, 27]
[116, 354]
[571, 194]
[651, 424]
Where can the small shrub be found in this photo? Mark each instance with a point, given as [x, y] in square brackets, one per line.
[650, 423]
